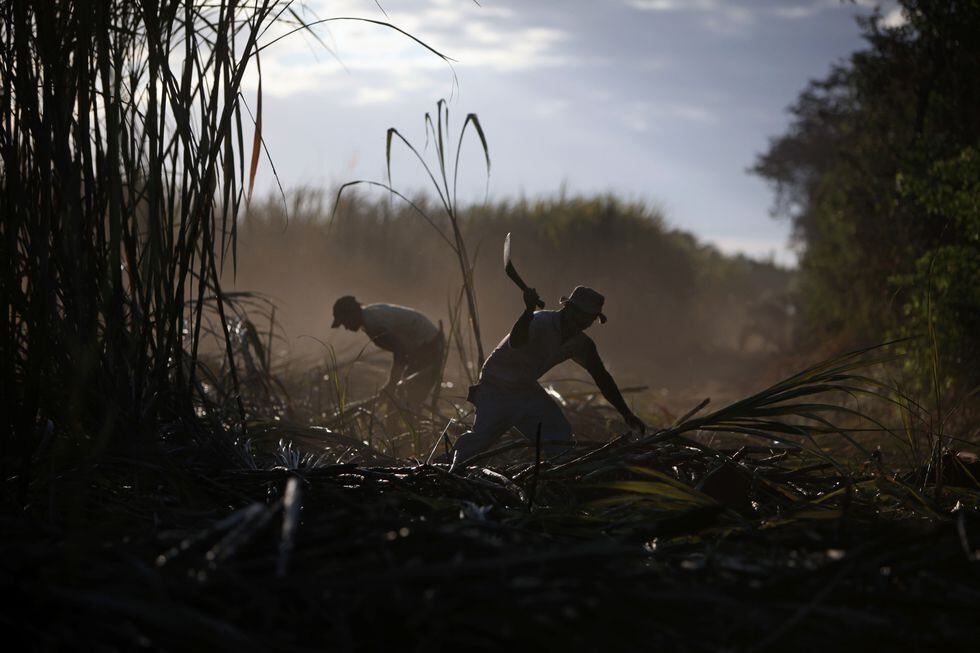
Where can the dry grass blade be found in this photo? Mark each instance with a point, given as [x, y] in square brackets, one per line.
[471, 118]
[439, 129]
[257, 138]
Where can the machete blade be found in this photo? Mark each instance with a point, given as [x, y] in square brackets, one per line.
[511, 271]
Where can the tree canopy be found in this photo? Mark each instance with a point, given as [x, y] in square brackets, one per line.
[879, 172]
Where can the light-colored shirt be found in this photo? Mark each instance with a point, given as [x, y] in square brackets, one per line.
[404, 328]
[520, 369]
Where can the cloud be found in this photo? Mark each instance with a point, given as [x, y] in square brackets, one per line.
[738, 17]
[523, 50]
[645, 116]
[373, 61]
[636, 118]
[797, 12]
[692, 113]
[895, 18]
[756, 248]
[374, 95]
[716, 15]
[549, 108]
[653, 64]
[656, 5]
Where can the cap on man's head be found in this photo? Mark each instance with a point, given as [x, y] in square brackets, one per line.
[586, 300]
[346, 304]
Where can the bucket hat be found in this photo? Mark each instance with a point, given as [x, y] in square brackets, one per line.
[586, 300]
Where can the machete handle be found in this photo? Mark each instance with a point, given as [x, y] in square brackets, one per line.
[516, 278]
[540, 302]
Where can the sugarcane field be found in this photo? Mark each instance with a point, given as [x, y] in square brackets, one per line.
[448, 325]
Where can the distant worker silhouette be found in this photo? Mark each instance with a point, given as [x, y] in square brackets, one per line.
[508, 393]
[416, 343]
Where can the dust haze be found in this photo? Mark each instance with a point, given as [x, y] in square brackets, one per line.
[684, 320]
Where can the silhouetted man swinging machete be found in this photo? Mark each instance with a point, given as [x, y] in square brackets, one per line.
[509, 394]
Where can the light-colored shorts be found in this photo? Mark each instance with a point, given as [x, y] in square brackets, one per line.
[498, 409]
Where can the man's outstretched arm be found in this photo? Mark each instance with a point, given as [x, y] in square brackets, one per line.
[399, 362]
[398, 365]
[520, 332]
[589, 358]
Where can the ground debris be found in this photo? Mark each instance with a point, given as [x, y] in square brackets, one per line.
[620, 549]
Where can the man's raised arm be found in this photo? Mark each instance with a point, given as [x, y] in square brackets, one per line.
[589, 358]
[520, 331]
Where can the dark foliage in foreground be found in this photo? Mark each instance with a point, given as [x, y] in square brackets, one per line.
[122, 173]
[660, 543]
[412, 557]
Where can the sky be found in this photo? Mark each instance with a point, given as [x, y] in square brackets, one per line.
[667, 102]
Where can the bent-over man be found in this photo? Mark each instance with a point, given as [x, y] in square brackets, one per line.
[509, 394]
[416, 343]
